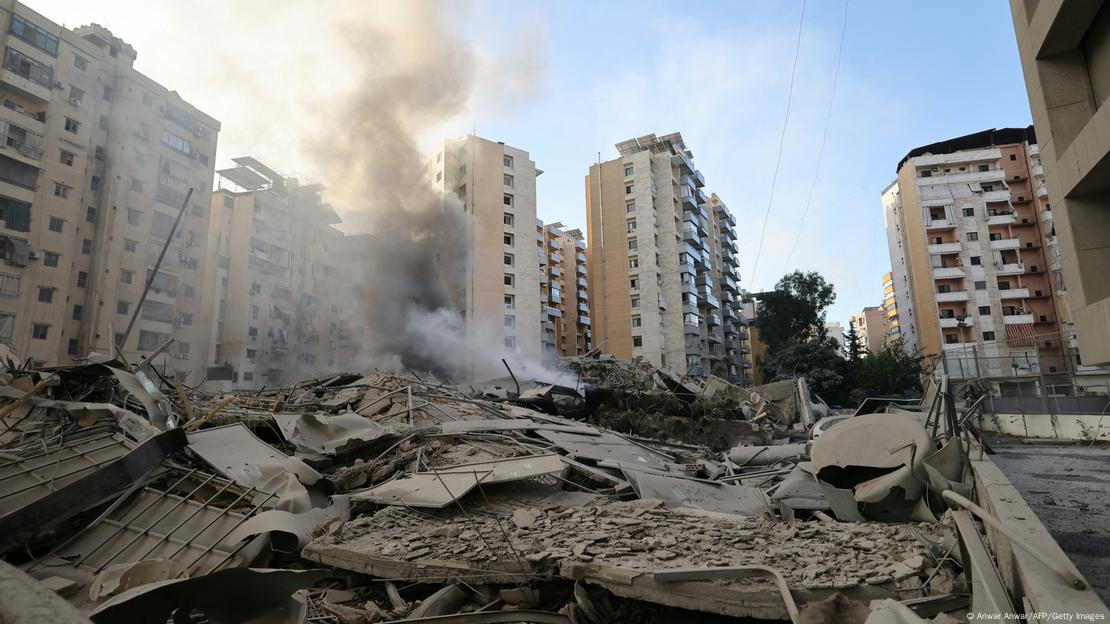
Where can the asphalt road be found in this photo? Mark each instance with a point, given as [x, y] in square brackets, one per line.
[1068, 488]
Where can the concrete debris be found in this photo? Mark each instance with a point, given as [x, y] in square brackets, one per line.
[138, 498]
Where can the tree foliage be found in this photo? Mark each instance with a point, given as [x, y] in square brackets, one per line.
[819, 361]
[852, 349]
[892, 372]
[795, 310]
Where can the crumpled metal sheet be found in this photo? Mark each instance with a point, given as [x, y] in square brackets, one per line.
[232, 596]
[289, 532]
[698, 494]
[236, 453]
[317, 436]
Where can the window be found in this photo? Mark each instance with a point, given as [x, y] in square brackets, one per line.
[510, 342]
[508, 280]
[136, 185]
[248, 376]
[508, 180]
[94, 183]
[46, 295]
[90, 213]
[39, 331]
[508, 239]
[632, 244]
[629, 189]
[629, 171]
[50, 259]
[126, 276]
[969, 212]
[98, 153]
[134, 217]
[507, 219]
[61, 190]
[986, 188]
[86, 246]
[34, 35]
[976, 260]
[20, 174]
[988, 335]
[944, 288]
[951, 338]
[121, 307]
[255, 310]
[508, 162]
[507, 200]
[56, 224]
[510, 302]
[71, 347]
[633, 263]
[251, 353]
[66, 158]
[1013, 156]
[439, 176]
[29, 68]
[984, 310]
[630, 207]
[82, 279]
[630, 226]
[637, 341]
[77, 312]
[995, 236]
[510, 320]
[9, 285]
[130, 246]
[76, 95]
[635, 302]
[925, 173]
[15, 214]
[984, 167]
[190, 291]
[72, 125]
[108, 93]
[173, 141]
[636, 321]
[1003, 285]
[462, 171]
[980, 285]
[508, 259]
[972, 236]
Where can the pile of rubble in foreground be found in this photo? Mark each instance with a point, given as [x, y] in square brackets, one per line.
[397, 497]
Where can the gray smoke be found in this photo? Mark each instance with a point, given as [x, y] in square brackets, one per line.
[414, 74]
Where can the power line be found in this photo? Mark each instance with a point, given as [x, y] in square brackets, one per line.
[824, 137]
[782, 139]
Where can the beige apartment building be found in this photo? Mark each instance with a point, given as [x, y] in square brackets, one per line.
[564, 293]
[502, 295]
[872, 328]
[664, 282]
[1065, 56]
[968, 230]
[95, 164]
[889, 309]
[279, 284]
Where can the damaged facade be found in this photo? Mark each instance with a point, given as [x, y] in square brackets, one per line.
[564, 286]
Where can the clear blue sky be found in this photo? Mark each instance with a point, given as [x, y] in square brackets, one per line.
[595, 73]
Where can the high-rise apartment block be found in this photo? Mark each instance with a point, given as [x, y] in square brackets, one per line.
[565, 307]
[279, 281]
[96, 162]
[969, 225]
[1065, 56]
[872, 328]
[662, 261]
[502, 296]
[890, 310]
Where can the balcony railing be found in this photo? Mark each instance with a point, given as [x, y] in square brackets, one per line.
[1014, 293]
[952, 295]
[944, 248]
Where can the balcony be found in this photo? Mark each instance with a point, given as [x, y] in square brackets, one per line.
[685, 165]
[554, 312]
[699, 179]
[580, 245]
[944, 248]
[581, 270]
[689, 235]
[580, 257]
[1002, 195]
[581, 282]
[950, 322]
[583, 295]
[691, 329]
[1042, 191]
[1011, 268]
[554, 244]
[1046, 218]
[711, 301]
[555, 272]
[21, 140]
[955, 295]
[713, 320]
[1018, 319]
[940, 224]
[556, 257]
[584, 320]
[1037, 170]
[1013, 293]
[1003, 218]
[948, 273]
[1005, 243]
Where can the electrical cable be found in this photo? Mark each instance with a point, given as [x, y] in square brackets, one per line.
[782, 140]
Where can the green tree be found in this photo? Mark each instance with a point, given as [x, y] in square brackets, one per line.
[794, 311]
[819, 361]
[852, 349]
[892, 372]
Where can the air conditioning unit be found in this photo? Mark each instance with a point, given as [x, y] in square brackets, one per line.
[34, 255]
[75, 101]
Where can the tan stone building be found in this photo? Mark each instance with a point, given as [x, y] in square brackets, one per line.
[890, 310]
[280, 286]
[968, 230]
[502, 298]
[95, 165]
[872, 328]
[662, 261]
[1065, 56]
[566, 323]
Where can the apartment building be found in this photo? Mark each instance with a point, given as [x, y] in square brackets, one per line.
[835, 331]
[872, 328]
[662, 261]
[501, 298]
[1065, 56]
[280, 289]
[96, 163]
[969, 232]
[896, 292]
[564, 292]
[889, 309]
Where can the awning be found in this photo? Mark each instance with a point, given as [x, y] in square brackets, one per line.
[1020, 335]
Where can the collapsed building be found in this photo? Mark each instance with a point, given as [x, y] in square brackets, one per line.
[127, 496]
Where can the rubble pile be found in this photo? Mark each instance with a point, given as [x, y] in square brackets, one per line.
[401, 497]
